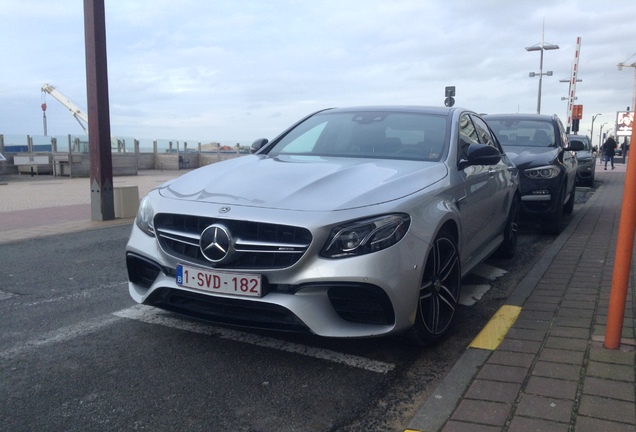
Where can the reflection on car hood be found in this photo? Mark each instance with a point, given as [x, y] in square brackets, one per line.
[526, 157]
[305, 183]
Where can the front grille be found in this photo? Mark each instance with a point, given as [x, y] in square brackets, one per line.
[258, 245]
[364, 304]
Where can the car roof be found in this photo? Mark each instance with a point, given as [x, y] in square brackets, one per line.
[402, 108]
[540, 117]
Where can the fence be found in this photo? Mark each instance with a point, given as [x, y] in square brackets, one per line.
[69, 155]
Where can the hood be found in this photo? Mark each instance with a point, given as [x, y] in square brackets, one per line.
[531, 157]
[304, 183]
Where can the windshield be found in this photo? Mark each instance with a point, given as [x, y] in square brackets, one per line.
[527, 133]
[583, 139]
[367, 134]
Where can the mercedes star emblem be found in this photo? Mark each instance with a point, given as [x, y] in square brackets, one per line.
[215, 243]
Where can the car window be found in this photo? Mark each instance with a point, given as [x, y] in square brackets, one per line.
[562, 132]
[485, 137]
[467, 136]
[306, 140]
[375, 134]
[583, 139]
[529, 133]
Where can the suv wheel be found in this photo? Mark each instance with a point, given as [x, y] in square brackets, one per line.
[553, 225]
[569, 207]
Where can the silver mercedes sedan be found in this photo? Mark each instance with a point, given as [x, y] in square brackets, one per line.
[354, 222]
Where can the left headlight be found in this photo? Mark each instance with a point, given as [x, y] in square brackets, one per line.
[366, 236]
[144, 218]
[544, 172]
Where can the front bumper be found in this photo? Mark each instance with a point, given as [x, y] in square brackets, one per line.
[586, 170]
[369, 295]
[539, 197]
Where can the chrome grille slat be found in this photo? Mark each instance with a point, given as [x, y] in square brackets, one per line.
[192, 236]
[178, 238]
[257, 245]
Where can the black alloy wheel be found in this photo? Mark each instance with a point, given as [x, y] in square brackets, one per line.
[439, 293]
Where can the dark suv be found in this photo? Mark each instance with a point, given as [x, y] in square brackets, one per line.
[538, 145]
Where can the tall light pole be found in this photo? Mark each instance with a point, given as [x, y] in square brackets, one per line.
[592, 130]
[633, 65]
[569, 88]
[541, 47]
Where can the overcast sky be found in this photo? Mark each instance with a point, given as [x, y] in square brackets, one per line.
[234, 71]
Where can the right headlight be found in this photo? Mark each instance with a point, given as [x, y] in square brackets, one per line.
[144, 218]
[544, 172]
[366, 236]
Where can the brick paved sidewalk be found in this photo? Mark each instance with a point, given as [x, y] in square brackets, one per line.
[551, 371]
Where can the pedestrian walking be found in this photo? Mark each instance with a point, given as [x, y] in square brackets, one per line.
[609, 149]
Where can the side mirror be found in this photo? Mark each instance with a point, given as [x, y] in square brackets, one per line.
[258, 144]
[576, 145]
[480, 154]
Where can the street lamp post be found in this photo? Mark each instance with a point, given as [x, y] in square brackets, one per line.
[592, 130]
[570, 88]
[541, 47]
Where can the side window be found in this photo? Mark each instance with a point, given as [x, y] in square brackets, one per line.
[305, 142]
[467, 136]
[564, 136]
[485, 136]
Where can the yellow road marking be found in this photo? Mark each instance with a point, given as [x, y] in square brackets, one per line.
[493, 333]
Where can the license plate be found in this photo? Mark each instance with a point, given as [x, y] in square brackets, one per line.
[219, 282]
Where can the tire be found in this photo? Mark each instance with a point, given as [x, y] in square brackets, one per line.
[569, 207]
[553, 225]
[508, 248]
[439, 291]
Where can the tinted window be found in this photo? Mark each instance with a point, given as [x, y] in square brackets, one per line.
[467, 136]
[582, 138]
[484, 133]
[514, 132]
[381, 134]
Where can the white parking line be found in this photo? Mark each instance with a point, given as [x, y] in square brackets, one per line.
[488, 272]
[61, 335]
[471, 294]
[152, 315]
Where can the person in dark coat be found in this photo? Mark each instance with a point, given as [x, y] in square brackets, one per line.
[609, 149]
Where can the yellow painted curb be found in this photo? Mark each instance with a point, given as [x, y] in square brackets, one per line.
[493, 333]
